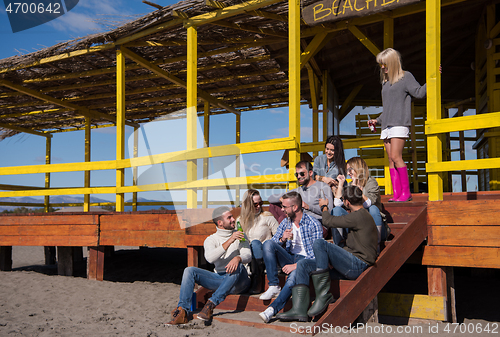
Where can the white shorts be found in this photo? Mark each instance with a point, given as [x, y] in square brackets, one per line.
[395, 132]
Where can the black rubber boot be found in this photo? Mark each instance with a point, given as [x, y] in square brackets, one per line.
[321, 282]
[257, 269]
[300, 300]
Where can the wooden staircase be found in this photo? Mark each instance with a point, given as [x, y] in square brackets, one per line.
[408, 222]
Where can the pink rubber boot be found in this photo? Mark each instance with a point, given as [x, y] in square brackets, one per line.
[396, 185]
[405, 184]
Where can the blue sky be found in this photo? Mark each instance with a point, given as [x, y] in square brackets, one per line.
[69, 147]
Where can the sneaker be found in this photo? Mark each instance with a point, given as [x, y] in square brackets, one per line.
[271, 292]
[207, 312]
[267, 314]
[179, 316]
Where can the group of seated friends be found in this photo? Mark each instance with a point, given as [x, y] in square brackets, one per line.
[291, 236]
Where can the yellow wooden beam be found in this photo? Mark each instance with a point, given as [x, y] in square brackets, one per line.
[364, 40]
[228, 12]
[86, 183]
[318, 42]
[120, 126]
[191, 111]
[325, 105]
[474, 122]
[476, 164]
[19, 129]
[157, 70]
[206, 143]
[433, 60]
[260, 13]
[294, 83]
[345, 105]
[210, 152]
[388, 33]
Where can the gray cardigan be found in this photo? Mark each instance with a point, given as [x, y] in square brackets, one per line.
[396, 101]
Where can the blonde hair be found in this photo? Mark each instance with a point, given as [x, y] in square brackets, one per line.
[392, 59]
[359, 165]
[248, 210]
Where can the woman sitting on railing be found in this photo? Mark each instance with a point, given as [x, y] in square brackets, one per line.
[258, 226]
[360, 175]
[329, 165]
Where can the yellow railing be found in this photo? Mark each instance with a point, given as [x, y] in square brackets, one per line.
[475, 122]
[259, 181]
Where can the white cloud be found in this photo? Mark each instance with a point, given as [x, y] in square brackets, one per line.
[76, 22]
[277, 111]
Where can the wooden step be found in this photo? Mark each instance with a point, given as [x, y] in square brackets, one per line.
[253, 303]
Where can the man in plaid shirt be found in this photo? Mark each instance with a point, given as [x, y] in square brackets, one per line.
[292, 242]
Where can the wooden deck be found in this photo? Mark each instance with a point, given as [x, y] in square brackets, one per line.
[462, 230]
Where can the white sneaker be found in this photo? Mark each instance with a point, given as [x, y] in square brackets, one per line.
[267, 314]
[271, 292]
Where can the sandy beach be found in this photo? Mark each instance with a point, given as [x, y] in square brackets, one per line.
[140, 289]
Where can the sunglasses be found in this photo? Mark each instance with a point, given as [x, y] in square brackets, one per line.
[382, 65]
[350, 169]
[302, 174]
[255, 204]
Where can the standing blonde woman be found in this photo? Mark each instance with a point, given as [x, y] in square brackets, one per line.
[398, 87]
[259, 226]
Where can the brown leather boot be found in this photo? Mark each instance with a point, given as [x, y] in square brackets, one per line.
[207, 312]
[179, 316]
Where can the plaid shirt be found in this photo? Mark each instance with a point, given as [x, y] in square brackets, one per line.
[310, 231]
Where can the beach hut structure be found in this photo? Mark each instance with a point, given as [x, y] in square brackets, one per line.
[214, 57]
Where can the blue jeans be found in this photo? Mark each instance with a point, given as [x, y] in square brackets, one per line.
[274, 253]
[304, 269]
[257, 250]
[374, 212]
[345, 265]
[224, 284]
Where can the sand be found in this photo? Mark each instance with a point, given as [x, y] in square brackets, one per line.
[141, 287]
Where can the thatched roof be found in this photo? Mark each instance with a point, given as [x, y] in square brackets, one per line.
[242, 60]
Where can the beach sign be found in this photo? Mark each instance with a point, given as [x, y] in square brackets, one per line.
[334, 10]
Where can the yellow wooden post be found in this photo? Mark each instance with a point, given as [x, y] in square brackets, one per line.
[433, 59]
[388, 33]
[389, 43]
[238, 135]
[325, 105]
[414, 154]
[86, 197]
[120, 125]
[191, 112]
[313, 85]
[206, 133]
[48, 143]
[135, 168]
[294, 84]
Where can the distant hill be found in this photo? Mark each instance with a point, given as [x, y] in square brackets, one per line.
[59, 199]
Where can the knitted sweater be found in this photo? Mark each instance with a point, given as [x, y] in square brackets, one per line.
[215, 253]
[362, 238]
[264, 227]
[396, 101]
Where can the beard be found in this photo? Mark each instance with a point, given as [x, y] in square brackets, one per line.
[291, 216]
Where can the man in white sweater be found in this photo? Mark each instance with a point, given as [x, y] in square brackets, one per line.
[225, 250]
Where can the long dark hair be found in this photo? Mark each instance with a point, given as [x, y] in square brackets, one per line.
[338, 153]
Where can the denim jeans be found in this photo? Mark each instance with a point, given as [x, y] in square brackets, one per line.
[304, 269]
[345, 265]
[374, 212]
[224, 284]
[274, 253]
[257, 250]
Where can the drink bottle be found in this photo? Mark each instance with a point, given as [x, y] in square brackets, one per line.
[238, 227]
[371, 126]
